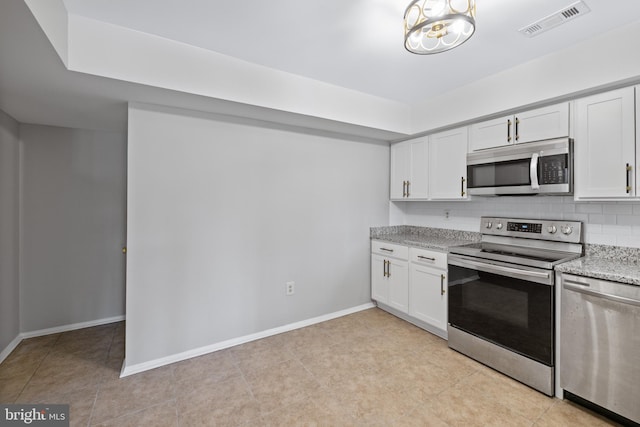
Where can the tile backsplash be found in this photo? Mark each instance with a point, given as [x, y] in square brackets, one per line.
[606, 223]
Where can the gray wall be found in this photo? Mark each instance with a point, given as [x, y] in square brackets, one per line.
[221, 215]
[73, 226]
[9, 226]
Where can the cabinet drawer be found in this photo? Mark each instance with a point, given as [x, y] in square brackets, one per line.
[389, 249]
[428, 257]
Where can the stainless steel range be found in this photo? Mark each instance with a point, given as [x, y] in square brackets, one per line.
[502, 295]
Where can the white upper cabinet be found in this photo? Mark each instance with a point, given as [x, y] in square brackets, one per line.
[533, 125]
[448, 164]
[605, 146]
[409, 174]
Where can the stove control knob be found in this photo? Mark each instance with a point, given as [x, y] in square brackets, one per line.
[499, 226]
[489, 224]
[567, 230]
[552, 229]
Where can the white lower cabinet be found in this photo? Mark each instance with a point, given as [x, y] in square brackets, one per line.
[390, 275]
[428, 290]
[411, 281]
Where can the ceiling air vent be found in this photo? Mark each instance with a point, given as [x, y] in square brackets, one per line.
[562, 16]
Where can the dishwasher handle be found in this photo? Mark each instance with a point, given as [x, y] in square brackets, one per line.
[583, 288]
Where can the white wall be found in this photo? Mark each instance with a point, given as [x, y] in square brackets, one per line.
[9, 226]
[607, 223]
[598, 62]
[73, 226]
[221, 215]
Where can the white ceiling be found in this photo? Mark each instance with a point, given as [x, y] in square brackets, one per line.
[358, 44]
[354, 44]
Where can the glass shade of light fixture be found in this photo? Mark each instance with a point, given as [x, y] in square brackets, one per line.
[434, 26]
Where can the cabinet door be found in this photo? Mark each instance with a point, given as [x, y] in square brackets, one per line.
[400, 170]
[491, 133]
[542, 123]
[428, 295]
[448, 165]
[379, 282]
[419, 179]
[605, 145]
[398, 285]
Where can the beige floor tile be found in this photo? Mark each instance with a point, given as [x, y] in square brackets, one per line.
[331, 366]
[208, 393]
[162, 415]
[281, 385]
[227, 403]
[261, 353]
[61, 373]
[133, 393]
[457, 406]
[10, 388]
[219, 365]
[421, 416]
[524, 400]
[304, 413]
[565, 413]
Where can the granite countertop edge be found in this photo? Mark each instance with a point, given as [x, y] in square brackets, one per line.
[440, 239]
[627, 272]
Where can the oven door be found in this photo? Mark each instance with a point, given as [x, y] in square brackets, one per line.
[508, 305]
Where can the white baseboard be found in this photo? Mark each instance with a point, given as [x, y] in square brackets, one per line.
[156, 363]
[72, 327]
[8, 349]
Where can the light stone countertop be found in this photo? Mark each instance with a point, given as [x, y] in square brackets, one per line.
[424, 237]
[614, 263]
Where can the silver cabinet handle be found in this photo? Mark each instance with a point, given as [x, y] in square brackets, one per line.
[462, 180]
[408, 188]
[404, 188]
[386, 250]
[533, 171]
[388, 268]
[442, 277]
[426, 257]
[583, 289]
[628, 178]
[508, 130]
[517, 131]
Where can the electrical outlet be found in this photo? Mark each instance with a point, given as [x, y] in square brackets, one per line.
[290, 288]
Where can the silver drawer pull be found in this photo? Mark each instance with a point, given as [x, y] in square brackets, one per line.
[386, 250]
[426, 257]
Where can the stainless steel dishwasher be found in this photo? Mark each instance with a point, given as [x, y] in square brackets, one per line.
[600, 349]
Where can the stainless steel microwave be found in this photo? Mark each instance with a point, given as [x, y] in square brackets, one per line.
[544, 167]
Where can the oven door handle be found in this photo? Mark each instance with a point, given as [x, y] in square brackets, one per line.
[533, 171]
[499, 269]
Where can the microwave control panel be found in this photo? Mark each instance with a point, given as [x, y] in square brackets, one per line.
[553, 169]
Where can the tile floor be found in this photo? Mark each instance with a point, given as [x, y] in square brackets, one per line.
[365, 369]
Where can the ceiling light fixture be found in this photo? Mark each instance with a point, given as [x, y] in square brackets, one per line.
[434, 26]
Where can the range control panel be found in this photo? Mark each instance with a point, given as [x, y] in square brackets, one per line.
[554, 230]
[524, 227]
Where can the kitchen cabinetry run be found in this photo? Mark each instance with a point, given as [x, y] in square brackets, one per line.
[412, 282]
[605, 147]
[409, 174]
[431, 167]
[533, 125]
[448, 165]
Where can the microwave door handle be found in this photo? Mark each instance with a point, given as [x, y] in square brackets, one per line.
[533, 171]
